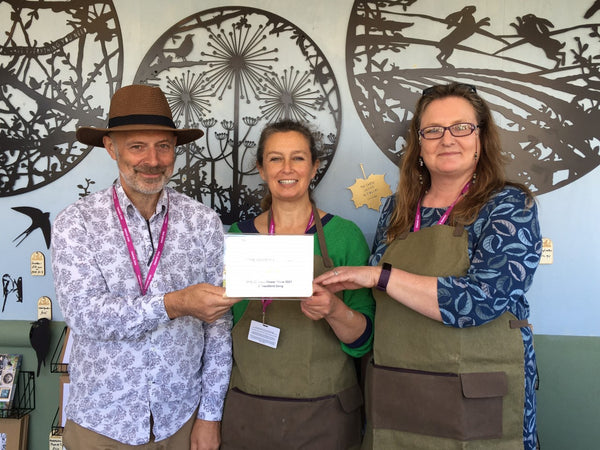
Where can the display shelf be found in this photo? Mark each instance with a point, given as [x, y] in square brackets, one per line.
[56, 364]
[24, 401]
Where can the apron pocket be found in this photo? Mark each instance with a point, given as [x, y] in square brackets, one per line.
[253, 421]
[351, 399]
[456, 406]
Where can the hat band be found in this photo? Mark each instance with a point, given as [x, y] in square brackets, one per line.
[139, 119]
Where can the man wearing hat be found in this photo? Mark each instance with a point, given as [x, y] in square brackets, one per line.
[138, 275]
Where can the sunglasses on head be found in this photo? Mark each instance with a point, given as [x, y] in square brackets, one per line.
[470, 87]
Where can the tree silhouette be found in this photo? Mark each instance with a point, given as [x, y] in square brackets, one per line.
[47, 86]
[546, 106]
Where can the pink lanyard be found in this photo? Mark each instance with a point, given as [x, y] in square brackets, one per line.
[267, 301]
[311, 220]
[134, 260]
[446, 214]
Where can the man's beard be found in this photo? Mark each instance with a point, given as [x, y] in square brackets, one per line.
[143, 187]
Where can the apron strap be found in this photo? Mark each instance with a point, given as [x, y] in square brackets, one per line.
[519, 323]
[327, 261]
[403, 235]
[458, 230]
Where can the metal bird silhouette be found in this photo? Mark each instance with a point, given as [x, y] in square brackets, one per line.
[39, 337]
[186, 47]
[39, 219]
[10, 285]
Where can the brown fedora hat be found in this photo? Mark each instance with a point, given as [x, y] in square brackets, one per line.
[138, 108]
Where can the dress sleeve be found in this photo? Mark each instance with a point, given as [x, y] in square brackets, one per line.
[379, 243]
[504, 249]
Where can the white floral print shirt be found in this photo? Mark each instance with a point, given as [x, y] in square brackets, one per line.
[128, 359]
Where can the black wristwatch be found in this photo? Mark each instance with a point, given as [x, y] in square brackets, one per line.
[386, 270]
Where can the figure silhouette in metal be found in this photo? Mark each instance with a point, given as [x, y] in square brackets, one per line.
[184, 49]
[85, 188]
[536, 31]
[245, 67]
[50, 85]
[546, 101]
[39, 338]
[465, 26]
[11, 285]
[39, 220]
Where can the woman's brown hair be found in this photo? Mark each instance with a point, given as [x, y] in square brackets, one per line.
[284, 126]
[490, 165]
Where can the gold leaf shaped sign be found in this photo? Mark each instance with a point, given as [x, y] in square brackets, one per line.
[370, 191]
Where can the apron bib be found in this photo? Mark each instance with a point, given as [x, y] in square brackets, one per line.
[303, 394]
[433, 386]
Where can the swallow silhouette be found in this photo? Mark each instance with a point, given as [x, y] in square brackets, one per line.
[39, 219]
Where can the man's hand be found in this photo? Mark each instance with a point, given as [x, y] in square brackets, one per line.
[206, 435]
[204, 301]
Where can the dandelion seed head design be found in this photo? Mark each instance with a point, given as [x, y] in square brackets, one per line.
[230, 71]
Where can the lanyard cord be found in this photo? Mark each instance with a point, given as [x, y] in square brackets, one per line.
[132, 255]
[446, 214]
[267, 301]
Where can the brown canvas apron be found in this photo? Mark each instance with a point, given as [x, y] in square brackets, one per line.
[433, 386]
[303, 394]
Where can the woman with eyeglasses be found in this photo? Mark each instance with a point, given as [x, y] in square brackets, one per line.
[455, 251]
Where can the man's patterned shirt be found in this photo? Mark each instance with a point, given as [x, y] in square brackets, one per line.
[128, 359]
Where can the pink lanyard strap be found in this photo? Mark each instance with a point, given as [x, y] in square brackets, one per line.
[311, 220]
[267, 301]
[446, 214]
[134, 260]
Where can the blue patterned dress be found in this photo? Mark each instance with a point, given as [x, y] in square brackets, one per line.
[505, 245]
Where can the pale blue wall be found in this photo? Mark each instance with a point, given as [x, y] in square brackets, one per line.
[564, 295]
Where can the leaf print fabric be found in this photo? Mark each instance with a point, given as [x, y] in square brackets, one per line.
[505, 246]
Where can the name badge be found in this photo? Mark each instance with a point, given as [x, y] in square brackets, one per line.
[263, 334]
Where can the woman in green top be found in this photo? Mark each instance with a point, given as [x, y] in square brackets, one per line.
[304, 393]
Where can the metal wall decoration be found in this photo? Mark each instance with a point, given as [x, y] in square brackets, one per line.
[85, 188]
[230, 71]
[9, 286]
[541, 81]
[53, 54]
[39, 220]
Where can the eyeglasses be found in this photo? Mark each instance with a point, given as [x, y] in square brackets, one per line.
[456, 130]
[467, 86]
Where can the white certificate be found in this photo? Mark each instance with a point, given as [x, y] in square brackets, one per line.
[269, 266]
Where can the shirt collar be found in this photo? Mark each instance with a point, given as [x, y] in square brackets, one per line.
[129, 207]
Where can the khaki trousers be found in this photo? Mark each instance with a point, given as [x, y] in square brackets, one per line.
[75, 437]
